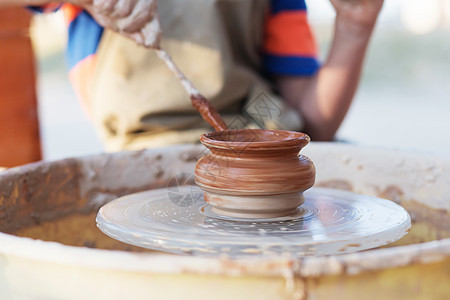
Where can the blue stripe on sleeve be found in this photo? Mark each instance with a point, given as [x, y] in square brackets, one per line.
[37, 9]
[40, 9]
[290, 65]
[283, 5]
[84, 37]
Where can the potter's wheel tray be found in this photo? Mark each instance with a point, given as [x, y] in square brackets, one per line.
[177, 220]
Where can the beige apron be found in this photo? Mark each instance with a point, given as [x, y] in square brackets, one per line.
[137, 103]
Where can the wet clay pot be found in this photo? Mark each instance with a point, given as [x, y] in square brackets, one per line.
[254, 173]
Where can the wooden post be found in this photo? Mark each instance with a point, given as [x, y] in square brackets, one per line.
[19, 127]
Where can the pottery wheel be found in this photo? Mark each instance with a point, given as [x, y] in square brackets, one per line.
[177, 220]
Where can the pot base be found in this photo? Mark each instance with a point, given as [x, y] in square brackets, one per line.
[253, 215]
[254, 207]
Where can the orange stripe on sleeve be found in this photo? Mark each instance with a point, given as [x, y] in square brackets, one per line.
[70, 12]
[288, 33]
[81, 77]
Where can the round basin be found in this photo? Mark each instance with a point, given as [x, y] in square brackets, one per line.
[50, 247]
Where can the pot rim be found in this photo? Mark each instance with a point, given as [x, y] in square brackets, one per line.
[224, 139]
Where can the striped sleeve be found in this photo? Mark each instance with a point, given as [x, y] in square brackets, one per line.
[84, 35]
[289, 45]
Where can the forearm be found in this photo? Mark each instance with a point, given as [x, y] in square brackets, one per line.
[329, 95]
[324, 99]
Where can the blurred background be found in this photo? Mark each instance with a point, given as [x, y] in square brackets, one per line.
[403, 101]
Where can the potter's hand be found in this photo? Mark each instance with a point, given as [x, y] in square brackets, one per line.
[136, 19]
[359, 14]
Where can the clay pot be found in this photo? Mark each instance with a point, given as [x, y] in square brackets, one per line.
[254, 173]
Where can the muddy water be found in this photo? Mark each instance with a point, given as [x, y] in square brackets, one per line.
[427, 224]
[75, 230]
